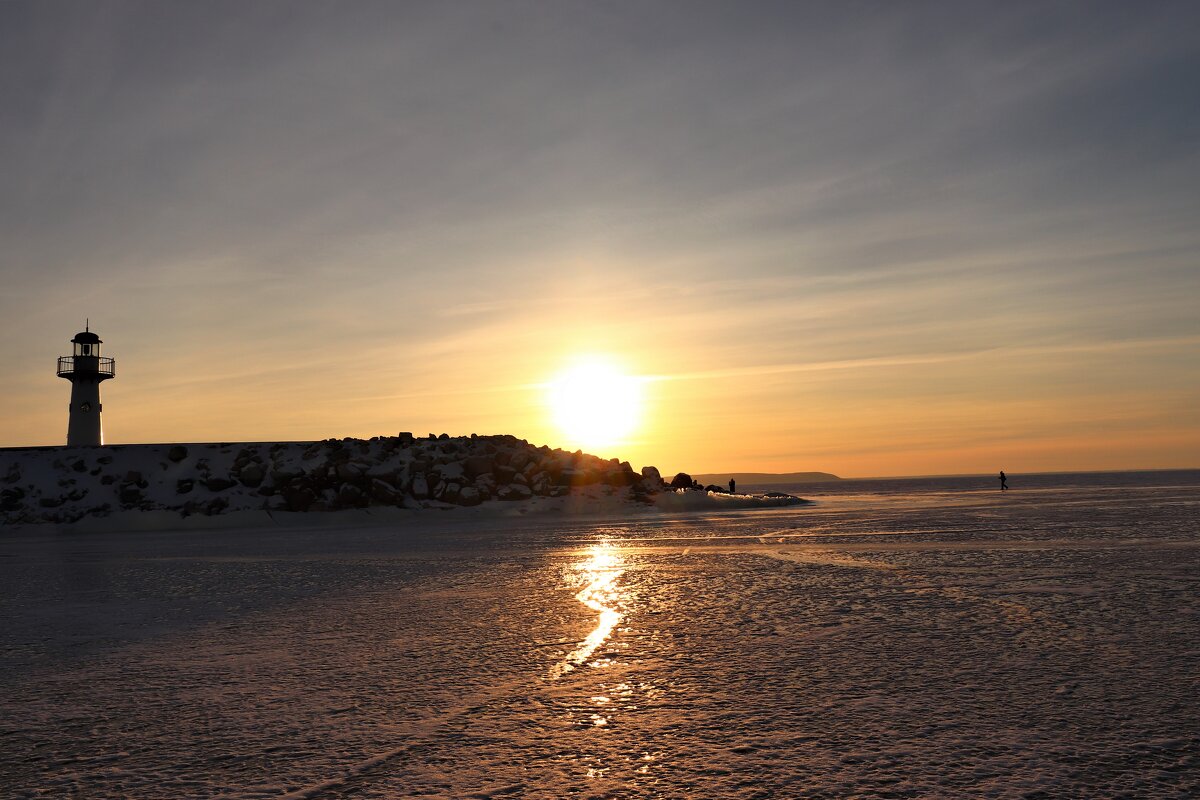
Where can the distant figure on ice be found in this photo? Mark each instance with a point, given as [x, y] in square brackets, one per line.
[732, 486]
[1003, 481]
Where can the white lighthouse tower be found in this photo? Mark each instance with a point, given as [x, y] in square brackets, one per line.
[85, 369]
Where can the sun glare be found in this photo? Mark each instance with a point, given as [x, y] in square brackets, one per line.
[595, 403]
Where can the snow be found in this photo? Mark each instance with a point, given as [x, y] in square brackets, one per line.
[981, 646]
[150, 487]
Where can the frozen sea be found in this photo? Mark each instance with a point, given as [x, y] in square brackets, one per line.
[904, 638]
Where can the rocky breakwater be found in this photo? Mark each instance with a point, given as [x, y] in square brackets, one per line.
[64, 485]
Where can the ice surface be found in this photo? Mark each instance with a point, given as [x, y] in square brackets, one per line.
[1037, 644]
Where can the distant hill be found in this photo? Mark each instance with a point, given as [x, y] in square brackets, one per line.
[766, 478]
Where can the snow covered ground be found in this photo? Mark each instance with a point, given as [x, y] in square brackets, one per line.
[1040, 643]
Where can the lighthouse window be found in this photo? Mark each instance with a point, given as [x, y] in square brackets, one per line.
[85, 349]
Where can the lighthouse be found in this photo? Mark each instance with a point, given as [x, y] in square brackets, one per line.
[85, 369]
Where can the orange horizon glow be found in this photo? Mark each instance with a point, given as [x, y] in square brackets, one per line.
[914, 416]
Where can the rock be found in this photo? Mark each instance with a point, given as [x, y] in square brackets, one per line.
[350, 496]
[469, 496]
[10, 499]
[184, 485]
[514, 491]
[133, 476]
[651, 475]
[681, 481]
[618, 477]
[420, 488]
[577, 477]
[104, 460]
[129, 495]
[350, 470]
[51, 502]
[298, 498]
[450, 493]
[13, 475]
[252, 475]
[108, 480]
[177, 453]
[280, 476]
[475, 466]
[79, 466]
[714, 488]
[453, 471]
[384, 492]
[219, 484]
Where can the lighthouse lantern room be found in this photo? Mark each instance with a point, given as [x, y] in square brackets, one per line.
[86, 370]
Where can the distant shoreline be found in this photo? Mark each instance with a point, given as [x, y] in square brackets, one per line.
[766, 478]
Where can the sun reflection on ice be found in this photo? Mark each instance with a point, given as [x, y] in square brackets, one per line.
[598, 574]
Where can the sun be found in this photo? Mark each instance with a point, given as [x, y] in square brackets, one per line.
[595, 403]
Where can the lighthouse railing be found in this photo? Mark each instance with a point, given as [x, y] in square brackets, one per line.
[70, 365]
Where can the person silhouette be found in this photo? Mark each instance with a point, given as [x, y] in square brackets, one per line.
[732, 486]
[1003, 481]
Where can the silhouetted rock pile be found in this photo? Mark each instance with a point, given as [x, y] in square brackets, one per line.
[67, 484]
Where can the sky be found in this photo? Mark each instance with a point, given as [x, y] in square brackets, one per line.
[863, 238]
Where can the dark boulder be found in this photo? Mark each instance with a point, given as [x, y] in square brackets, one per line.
[420, 488]
[350, 470]
[681, 481]
[469, 496]
[298, 498]
[384, 492]
[350, 496]
[475, 466]
[219, 484]
[514, 491]
[252, 475]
